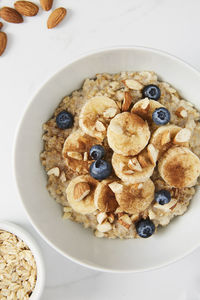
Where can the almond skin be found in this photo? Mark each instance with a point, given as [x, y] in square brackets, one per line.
[56, 17]
[1, 25]
[10, 15]
[3, 42]
[46, 4]
[26, 8]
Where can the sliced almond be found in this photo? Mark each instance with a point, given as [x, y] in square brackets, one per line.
[54, 171]
[127, 101]
[165, 138]
[134, 164]
[145, 104]
[166, 207]
[152, 153]
[75, 155]
[143, 162]
[111, 218]
[104, 227]
[140, 185]
[85, 156]
[62, 177]
[125, 221]
[116, 187]
[181, 112]
[110, 112]
[134, 218]
[133, 84]
[152, 215]
[128, 172]
[101, 217]
[182, 136]
[81, 190]
[119, 210]
[99, 126]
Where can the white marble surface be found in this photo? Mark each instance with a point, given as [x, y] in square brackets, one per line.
[33, 54]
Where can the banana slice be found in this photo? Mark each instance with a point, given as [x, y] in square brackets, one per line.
[145, 108]
[96, 115]
[80, 194]
[163, 138]
[133, 169]
[179, 167]
[128, 134]
[76, 151]
[104, 198]
[134, 200]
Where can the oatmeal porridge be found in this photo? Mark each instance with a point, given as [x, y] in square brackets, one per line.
[122, 154]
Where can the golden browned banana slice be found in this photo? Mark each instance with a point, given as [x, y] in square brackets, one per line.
[104, 198]
[80, 194]
[145, 108]
[96, 115]
[164, 137]
[128, 134]
[134, 199]
[76, 151]
[179, 167]
[133, 169]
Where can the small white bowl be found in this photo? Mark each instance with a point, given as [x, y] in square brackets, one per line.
[27, 239]
[69, 238]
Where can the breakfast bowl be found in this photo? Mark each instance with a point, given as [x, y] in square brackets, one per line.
[70, 239]
[28, 274]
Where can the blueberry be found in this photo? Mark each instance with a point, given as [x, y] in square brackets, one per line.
[161, 116]
[97, 152]
[151, 91]
[100, 169]
[64, 120]
[145, 228]
[162, 197]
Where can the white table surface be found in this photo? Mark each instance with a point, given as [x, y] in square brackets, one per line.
[33, 54]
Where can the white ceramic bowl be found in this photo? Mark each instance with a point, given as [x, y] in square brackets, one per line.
[69, 238]
[27, 238]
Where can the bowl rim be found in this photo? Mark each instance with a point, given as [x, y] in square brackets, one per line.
[26, 237]
[76, 59]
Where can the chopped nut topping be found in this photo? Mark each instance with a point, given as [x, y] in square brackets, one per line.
[127, 101]
[110, 112]
[182, 136]
[152, 153]
[133, 84]
[54, 171]
[81, 190]
[134, 164]
[85, 156]
[181, 112]
[116, 187]
[165, 138]
[101, 217]
[99, 126]
[75, 155]
[104, 227]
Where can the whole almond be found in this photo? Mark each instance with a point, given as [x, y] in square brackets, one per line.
[3, 42]
[10, 15]
[26, 8]
[46, 4]
[56, 17]
[1, 25]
